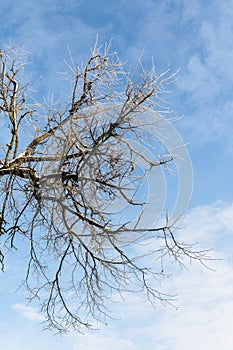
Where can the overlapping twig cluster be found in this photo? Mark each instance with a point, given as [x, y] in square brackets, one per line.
[62, 172]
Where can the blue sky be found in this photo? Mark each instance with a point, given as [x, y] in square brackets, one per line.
[196, 38]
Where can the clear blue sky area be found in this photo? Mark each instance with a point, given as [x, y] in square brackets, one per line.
[196, 38]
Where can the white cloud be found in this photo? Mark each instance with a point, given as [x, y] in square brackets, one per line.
[204, 306]
[205, 83]
[202, 319]
[28, 312]
[201, 39]
[101, 341]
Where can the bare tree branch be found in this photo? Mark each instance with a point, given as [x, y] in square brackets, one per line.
[63, 174]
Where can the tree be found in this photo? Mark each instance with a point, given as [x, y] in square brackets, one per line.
[72, 186]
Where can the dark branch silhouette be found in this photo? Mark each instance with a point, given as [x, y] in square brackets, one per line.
[63, 172]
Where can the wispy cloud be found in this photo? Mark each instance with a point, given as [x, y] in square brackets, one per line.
[28, 312]
[206, 81]
[102, 341]
[203, 310]
[196, 36]
[204, 307]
